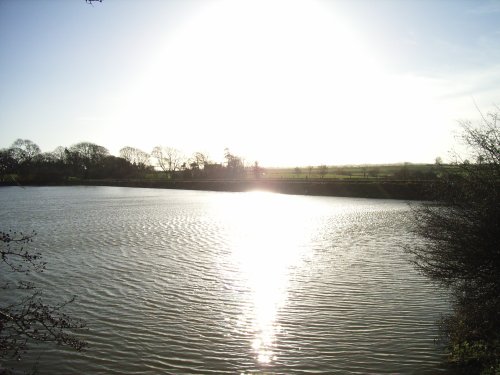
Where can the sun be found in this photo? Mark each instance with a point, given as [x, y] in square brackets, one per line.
[281, 82]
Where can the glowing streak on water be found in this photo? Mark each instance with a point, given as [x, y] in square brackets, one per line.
[224, 283]
[268, 243]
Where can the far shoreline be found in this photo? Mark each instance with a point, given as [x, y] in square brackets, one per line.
[384, 189]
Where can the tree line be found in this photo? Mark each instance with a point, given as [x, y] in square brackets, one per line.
[85, 160]
[460, 228]
[24, 162]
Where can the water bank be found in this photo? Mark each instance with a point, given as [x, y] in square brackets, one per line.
[406, 190]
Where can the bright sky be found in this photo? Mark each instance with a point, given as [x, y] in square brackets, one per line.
[284, 82]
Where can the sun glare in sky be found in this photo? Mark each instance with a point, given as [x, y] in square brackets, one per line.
[282, 82]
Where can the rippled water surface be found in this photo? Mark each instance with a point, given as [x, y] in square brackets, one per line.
[185, 282]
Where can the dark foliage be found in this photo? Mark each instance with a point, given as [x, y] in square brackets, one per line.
[462, 249]
[23, 163]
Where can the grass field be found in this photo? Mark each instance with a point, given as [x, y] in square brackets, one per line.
[355, 172]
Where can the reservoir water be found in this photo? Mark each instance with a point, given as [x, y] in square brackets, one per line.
[189, 282]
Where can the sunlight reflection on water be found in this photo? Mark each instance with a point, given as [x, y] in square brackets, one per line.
[268, 243]
[185, 282]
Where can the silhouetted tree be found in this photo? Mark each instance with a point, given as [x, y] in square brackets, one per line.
[26, 320]
[197, 165]
[234, 165]
[200, 159]
[90, 153]
[462, 248]
[86, 157]
[135, 156]
[114, 167]
[59, 153]
[8, 164]
[24, 150]
[168, 159]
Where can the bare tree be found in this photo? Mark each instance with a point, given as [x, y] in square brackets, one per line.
[59, 153]
[24, 150]
[197, 164]
[86, 157]
[462, 248]
[27, 320]
[235, 166]
[135, 156]
[200, 159]
[168, 159]
[89, 154]
[127, 153]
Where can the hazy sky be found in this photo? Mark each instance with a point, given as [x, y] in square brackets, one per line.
[283, 82]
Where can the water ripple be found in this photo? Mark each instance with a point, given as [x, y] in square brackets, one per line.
[222, 283]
